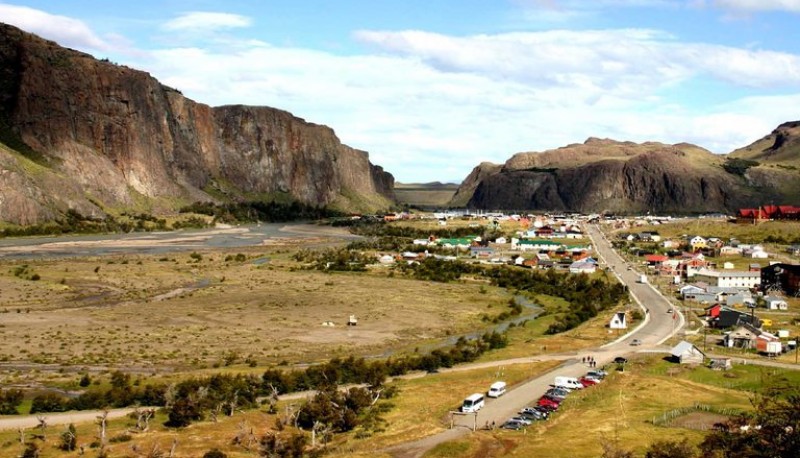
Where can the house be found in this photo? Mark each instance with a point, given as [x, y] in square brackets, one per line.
[793, 250]
[785, 277]
[728, 266]
[618, 321]
[726, 317]
[698, 243]
[687, 353]
[584, 267]
[740, 279]
[742, 336]
[720, 364]
[655, 260]
[690, 291]
[730, 251]
[501, 240]
[481, 252]
[538, 245]
[775, 303]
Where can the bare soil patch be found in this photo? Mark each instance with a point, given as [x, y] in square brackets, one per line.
[700, 421]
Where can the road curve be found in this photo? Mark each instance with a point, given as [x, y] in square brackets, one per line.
[658, 326]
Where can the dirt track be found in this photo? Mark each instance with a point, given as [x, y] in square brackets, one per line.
[65, 418]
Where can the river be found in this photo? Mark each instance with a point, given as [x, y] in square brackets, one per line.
[161, 242]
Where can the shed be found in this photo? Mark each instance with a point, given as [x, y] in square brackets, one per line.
[720, 364]
[687, 353]
[618, 321]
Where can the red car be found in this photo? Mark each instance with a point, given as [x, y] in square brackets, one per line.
[547, 402]
[587, 382]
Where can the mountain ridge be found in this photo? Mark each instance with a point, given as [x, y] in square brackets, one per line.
[119, 139]
[604, 175]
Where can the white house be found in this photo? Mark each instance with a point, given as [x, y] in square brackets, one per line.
[730, 251]
[618, 321]
[728, 266]
[501, 240]
[776, 303]
[690, 291]
[585, 267]
[687, 353]
[733, 278]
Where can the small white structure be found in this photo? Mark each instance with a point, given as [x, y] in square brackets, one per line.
[728, 266]
[618, 321]
[687, 353]
[352, 321]
[776, 303]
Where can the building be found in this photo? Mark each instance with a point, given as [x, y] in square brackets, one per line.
[785, 277]
[618, 321]
[775, 303]
[731, 278]
[687, 353]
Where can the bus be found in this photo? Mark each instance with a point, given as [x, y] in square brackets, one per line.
[473, 403]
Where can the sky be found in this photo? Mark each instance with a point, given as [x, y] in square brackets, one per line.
[432, 88]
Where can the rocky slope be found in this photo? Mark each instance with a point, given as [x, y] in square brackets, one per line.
[104, 137]
[625, 177]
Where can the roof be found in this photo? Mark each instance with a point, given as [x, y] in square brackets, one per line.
[656, 258]
[683, 347]
[539, 242]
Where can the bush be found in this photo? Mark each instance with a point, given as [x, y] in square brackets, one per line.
[215, 453]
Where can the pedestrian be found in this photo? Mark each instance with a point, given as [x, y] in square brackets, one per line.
[583, 360]
[493, 424]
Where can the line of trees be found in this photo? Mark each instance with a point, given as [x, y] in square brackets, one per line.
[252, 211]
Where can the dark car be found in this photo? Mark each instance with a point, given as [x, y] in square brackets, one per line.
[620, 360]
[513, 424]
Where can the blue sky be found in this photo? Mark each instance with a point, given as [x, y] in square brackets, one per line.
[433, 88]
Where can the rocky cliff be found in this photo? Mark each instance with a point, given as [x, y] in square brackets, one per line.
[115, 138]
[604, 175]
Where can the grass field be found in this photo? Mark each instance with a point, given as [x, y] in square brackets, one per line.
[623, 409]
[176, 310]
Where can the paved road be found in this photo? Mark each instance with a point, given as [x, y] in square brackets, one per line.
[658, 326]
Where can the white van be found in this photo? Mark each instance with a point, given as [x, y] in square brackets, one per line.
[496, 390]
[473, 403]
[568, 382]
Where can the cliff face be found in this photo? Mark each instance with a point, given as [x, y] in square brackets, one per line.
[624, 177]
[120, 135]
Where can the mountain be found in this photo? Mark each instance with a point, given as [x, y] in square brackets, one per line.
[602, 175]
[94, 137]
[425, 195]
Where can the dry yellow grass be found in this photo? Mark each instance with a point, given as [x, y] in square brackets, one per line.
[422, 407]
[621, 408]
[144, 311]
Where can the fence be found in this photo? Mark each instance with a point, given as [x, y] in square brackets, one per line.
[667, 418]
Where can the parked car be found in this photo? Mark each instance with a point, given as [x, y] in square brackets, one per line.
[544, 411]
[560, 391]
[521, 419]
[512, 424]
[534, 415]
[587, 382]
[592, 378]
[669, 311]
[597, 373]
[547, 402]
[558, 397]
[620, 360]
[636, 342]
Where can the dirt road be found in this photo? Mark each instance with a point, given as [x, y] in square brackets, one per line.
[63, 418]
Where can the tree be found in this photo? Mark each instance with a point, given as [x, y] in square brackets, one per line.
[9, 401]
[69, 439]
[670, 449]
[771, 430]
[85, 381]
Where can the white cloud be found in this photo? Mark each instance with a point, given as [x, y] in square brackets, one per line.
[598, 62]
[207, 21]
[759, 5]
[64, 30]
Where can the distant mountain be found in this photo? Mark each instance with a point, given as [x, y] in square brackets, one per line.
[425, 195]
[602, 175]
[90, 136]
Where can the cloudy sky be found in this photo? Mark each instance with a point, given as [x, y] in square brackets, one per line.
[431, 88]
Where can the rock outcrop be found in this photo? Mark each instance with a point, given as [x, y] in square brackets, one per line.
[119, 139]
[625, 177]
